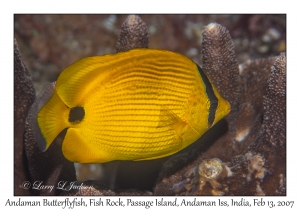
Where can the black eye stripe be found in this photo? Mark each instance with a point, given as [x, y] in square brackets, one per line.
[211, 96]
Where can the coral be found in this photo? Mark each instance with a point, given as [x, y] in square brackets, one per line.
[244, 154]
[219, 59]
[196, 179]
[256, 164]
[253, 79]
[271, 141]
[23, 98]
[90, 188]
[134, 34]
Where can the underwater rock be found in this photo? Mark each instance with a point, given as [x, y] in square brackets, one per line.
[24, 94]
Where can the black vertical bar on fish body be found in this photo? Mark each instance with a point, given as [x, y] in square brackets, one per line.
[213, 100]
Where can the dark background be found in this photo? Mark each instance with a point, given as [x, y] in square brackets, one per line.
[50, 43]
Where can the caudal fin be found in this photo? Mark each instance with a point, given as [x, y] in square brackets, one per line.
[52, 119]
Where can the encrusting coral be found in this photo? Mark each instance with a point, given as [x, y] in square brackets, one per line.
[245, 154]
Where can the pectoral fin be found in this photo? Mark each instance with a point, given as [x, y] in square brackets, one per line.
[173, 124]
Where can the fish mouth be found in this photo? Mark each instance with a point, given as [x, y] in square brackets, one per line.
[228, 109]
[225, 110]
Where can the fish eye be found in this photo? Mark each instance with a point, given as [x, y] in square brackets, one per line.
[76, 114]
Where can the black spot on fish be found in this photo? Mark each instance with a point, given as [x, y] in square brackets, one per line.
[76, 114]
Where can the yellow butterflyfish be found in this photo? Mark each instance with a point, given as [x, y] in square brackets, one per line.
[141, 104]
